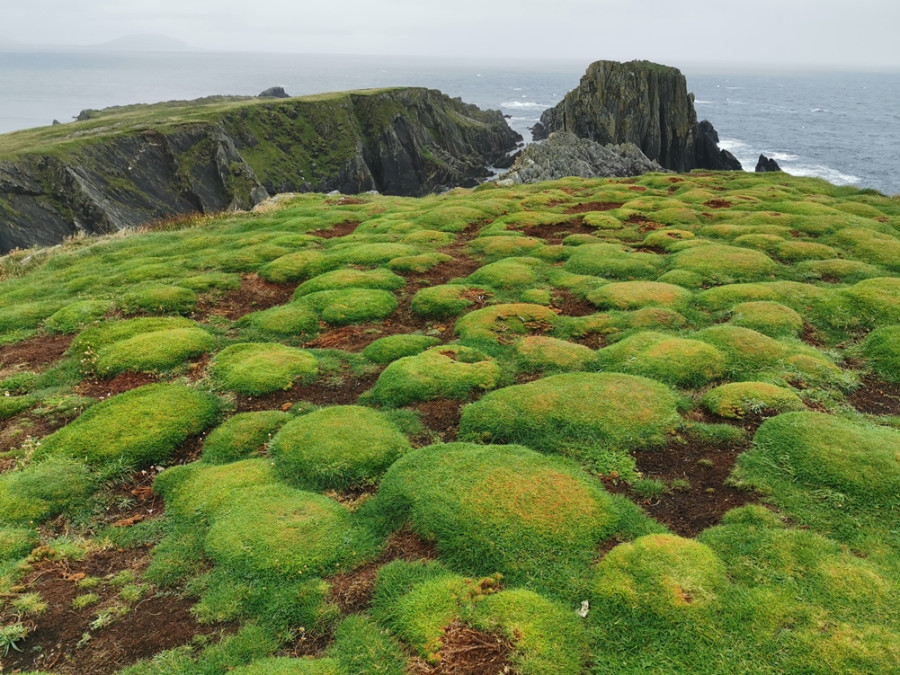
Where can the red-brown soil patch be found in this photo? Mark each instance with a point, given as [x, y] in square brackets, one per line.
[35, 352]
[255, 294]
[99, 388]
[568, 304]
[350, 338]
[587, 207]
[717, 204]
[705, 466]
[638, 188]
[644, 224]
[340, 230]
[875, 397]
[812, 337]
[466, 651]
[554, 234]
[352, 592]
[325, 391]
[441, 416]
[153, 624]
[15, 430]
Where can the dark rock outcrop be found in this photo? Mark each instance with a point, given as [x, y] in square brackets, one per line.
[395, 141]
[565, 154]
[765, 164]
[707, 152]
[642, 103]
[274, 92]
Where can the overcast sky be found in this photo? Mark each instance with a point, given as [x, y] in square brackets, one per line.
[861, 33]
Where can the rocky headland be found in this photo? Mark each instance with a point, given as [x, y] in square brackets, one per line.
[642, 103]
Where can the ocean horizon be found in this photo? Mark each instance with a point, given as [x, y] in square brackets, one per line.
[841, 126]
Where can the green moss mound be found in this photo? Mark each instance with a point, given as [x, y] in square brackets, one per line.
[87, 345]
[719, 264]
[140, 427]
[393, 347]
[676, 361]
[637, 294]
[769, 318]
[158, 299]
[538, 352]
[579, 414]
[445, 300]
[506, 274]
[795, 251]
[362, 646]
[154, 351]
[73, 317]
[507, 509]
[506, 323]
[241, 436]
[42, 490]
[277, 530]
[298, 266]
[738, 399]
[612, 261]
[261, 368]
[16, 542]
[283, 665]
[823, 451]
[290, 320]
[10, 406]
[441, 372]
[350, 278]
[882, 350]
[350, 305]
[337, 448]
[660, 575]
[746, 351]
[877, 300]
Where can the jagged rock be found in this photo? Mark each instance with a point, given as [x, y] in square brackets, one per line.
[564, 154]
[707, 152]
[642, 103]
[766, 164]
[274, 92]
[405, 141]
[538, 132]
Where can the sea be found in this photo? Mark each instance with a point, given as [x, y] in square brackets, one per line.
[840, 126]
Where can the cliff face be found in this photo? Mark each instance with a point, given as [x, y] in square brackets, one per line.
[401, 141]
[642, 103]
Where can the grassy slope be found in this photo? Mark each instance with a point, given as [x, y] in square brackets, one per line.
[636, 282]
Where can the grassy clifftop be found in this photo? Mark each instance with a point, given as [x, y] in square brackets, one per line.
[637, 425]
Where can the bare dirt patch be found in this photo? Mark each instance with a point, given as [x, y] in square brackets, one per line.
[99, 388]
[441, 417]
[875, 397]
[34, 353]
[327, 390]
[554, 234]
[254, 295]
[340, 230]
[644, 224]
[717, 204]
[63, 640]
[566, 303]
[467, 651]
[587, 207]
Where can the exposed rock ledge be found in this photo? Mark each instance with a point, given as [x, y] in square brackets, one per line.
[564, 154]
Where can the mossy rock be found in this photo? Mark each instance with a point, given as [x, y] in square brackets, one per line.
[735, 400]
[535, 519]
[637, 294]
[393, 347]
[441, 372]
[613, 261]
[746, 351]
[580, 414]
[350, 305]
[154, 351]
[538, 352]
[276, 530]
[255, 368]
[380, 279]
[445, 300]
[796, 251]
[877, 300]
[882, 350]
[675, 361]
[241, 436]
[298, 266]
[44, 489]
[290, 320]
[822, 451]
[141, 427]
[158, 299]
[199, 492]
[769, 318]
[720, 264]
[506, 323]
[337, 448]
[73, 317]
[661, 576]
[17, 542]
[506, 274]
[284, 665]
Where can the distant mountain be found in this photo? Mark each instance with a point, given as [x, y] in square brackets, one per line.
[146, 42]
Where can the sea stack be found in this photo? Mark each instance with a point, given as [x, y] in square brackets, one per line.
[766, 164]
[642, 103]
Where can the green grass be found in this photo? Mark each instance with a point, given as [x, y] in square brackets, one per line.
[241, 436]
[261, 368]
[675, 361]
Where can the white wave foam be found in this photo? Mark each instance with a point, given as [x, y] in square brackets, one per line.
[733, 145]
[522, 104]
[700, 101]
[782, 156]
[818, 110]
[833, 176]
